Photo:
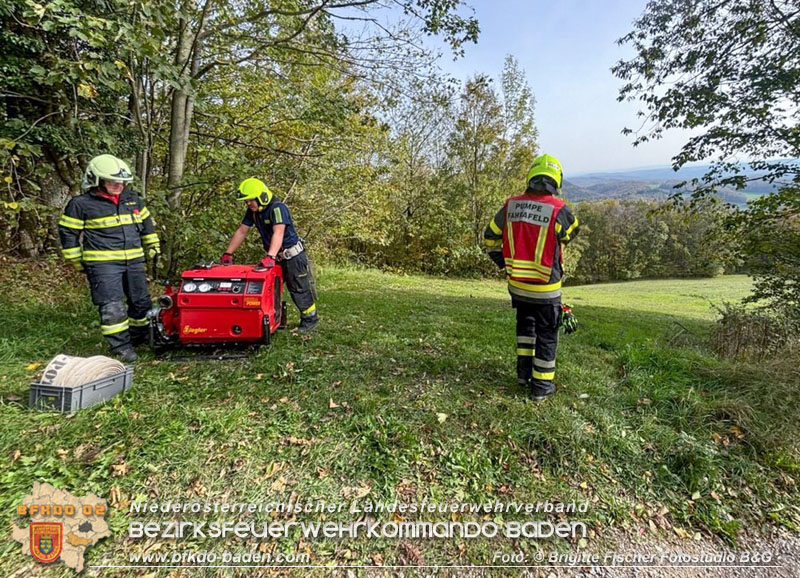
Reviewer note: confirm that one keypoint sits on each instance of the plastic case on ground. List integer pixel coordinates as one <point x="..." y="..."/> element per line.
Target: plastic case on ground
<point x="69" y="399"/>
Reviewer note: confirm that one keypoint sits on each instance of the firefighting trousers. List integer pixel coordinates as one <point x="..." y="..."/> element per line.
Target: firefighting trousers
<point x="298" y="277"/>
<point x="537" y="342"/>
<point x="119" y="290"/>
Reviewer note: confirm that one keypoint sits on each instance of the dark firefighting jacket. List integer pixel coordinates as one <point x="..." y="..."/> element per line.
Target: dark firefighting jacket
<point x="526" y="237"/>
<point x="110" y="232"/>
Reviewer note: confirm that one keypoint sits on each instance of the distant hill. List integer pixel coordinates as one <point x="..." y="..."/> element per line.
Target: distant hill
<point x="657" y="183"/>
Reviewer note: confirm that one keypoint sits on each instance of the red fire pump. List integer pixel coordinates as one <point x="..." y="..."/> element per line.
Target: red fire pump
<point x="219" y="305"/>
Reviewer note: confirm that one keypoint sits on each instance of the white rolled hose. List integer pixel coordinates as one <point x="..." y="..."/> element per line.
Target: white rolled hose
<point x="71" y="371"/>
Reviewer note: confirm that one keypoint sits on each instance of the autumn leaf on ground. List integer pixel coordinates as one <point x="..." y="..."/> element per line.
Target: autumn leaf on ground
<point x="356" y="492"/>
<point x="278" y="485"/>
<point x="114" y="497"/>
<point x="291" y="440"/>
<point x="197" y="488"/>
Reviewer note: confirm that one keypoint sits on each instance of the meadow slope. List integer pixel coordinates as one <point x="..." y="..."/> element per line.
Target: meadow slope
<point x="407" y="392"/>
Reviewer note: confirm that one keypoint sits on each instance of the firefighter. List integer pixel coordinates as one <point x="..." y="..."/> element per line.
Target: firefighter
<point x="525" y="238"/>
<point x="106" y="232"/>
<point x="274" y="223"/>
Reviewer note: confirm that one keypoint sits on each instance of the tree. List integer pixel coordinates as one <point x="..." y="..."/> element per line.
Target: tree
<point x="81" y="77"/>
<point x="264" y="33"/>
<point x="476" y="143"/>
<point x="493" y="142"/>
<point x="61" y="77"/>
<point x="732" y="69"/>
<point x="519" y="128"/>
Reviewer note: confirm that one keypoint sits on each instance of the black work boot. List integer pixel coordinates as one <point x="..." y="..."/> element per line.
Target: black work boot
<point x="308" y="323"/>
<point x="541" y="390"/>
<point x="125" y="354"/>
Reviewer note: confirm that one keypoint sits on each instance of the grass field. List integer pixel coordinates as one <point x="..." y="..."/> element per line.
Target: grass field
<point x="407" y="392"/>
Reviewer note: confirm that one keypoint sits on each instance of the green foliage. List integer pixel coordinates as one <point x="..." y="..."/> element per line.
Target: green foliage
<point x="769" y="233"/>
<point x="622" y="240"/>
<point x="254" y="87"/>
<point x="726" y="68"/>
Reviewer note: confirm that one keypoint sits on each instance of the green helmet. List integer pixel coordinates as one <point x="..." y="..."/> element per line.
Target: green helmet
<point x="545" y="166"/>
<point x="254" y="188"/>
<point x="106" y="167"/>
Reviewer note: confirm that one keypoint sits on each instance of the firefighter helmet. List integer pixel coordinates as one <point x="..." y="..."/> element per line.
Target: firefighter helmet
<point x="254" y="188"/>
<point x="545" y="168"/>
<point x="106" y="167"/>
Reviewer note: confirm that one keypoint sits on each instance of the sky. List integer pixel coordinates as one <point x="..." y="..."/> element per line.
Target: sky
<point x="566" y="49"/>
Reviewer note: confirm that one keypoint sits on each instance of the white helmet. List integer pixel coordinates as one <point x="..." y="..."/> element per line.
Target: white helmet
<point x="107" y="167"/>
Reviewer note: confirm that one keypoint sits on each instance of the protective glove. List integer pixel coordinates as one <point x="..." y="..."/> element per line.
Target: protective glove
<point x="568" y="321"/>
<point x="153" y="251"/>
<point x="267" y="262"/>
<point x="226" y="259"/>
<point x="78" y="264"/>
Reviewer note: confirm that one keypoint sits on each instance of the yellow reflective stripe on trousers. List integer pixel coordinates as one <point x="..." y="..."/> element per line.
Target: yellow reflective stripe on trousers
<point x="151" y="239"/>
<point x="540" y="375"/>
<point x="72" y="253"/>
<point x="123" y="255"/>
<point x="525" y="352"/>
<point x="137" y="322"/>
<point x="116" y="328"/>
<point x="71" y="223"/>
<point x="310" y="309"/>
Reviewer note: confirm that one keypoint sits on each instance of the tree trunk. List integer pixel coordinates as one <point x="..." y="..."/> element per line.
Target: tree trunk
<point x="178" y="127"/>
<point x="178" y="121"/>
<point x="187" y="56"/>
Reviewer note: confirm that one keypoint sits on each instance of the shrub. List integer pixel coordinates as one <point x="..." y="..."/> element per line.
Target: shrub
<point x="757" y="334"/>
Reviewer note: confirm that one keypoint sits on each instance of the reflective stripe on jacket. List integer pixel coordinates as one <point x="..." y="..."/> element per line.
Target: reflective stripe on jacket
<point x="529" y="231"/>
<point x="94" y="229"/>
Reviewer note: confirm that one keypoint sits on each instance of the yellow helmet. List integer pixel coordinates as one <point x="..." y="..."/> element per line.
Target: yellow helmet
<point x="254" y="188"/>
<point x="545" y="166"/>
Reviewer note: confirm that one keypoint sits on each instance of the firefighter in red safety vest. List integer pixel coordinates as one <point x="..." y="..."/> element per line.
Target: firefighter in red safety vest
<point x="525" y="238"/>
<point x="106" y="232"/>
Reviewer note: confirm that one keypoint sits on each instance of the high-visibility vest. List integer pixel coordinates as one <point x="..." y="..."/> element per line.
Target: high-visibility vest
<point x="531" y="248"/>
